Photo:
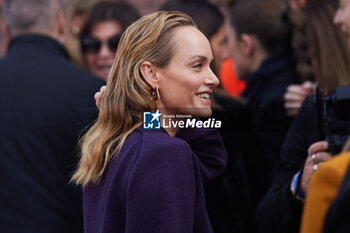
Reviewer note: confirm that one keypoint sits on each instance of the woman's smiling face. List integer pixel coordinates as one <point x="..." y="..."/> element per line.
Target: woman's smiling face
<point x="101" y="61"/>
<point x="185" y="84"/>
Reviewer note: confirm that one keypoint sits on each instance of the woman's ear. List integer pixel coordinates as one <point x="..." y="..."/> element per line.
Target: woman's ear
<point x="61" y="30"/>
<point x="7" y="32"/>
<point x="247" y="44"/>
<point x="148" y="71"/>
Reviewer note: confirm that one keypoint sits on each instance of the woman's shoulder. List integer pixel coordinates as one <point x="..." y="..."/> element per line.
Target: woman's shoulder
<point x="162" y="154"/>
<point x="159" y="141"/>
<point x="144" y="148"/>
<point x="152" y="144"/>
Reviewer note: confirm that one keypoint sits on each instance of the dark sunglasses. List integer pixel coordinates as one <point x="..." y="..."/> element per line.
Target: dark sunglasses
<point x="90" y="44"/>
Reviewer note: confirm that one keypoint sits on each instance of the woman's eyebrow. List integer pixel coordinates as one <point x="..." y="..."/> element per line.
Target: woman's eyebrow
<point x="201" y="58"/>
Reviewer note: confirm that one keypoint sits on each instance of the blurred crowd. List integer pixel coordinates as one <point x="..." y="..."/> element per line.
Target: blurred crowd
<point x="283" y="98"/>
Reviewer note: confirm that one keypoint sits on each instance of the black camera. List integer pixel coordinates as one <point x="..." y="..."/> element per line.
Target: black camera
<point x="333" y="110"/>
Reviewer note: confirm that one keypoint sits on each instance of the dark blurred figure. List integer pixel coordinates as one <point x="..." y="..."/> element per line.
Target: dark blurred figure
<point x="325" y="57"/>
<point x="262" y="53"/>
<point x="228" y="209"/>
<point x="101" y="33"/>
<point x="46" y="101"/>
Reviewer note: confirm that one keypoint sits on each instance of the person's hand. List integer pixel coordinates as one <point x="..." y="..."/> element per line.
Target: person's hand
<point x="316" y="157"/>
<point x="295" y="96"/>
<point x="98" y="96"/>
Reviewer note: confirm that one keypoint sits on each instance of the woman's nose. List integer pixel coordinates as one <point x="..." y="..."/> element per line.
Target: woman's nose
<point x="212" y="79"/>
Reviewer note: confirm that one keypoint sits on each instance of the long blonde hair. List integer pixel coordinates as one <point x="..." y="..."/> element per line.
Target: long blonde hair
<point x="321" y="47"/>
<point x="128" y="95"/>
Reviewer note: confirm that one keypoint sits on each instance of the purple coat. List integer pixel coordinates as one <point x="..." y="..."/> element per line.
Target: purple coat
<point x="155" y="184"/>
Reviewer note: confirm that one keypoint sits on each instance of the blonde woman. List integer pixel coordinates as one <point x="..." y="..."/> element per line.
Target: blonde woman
<point x="140" y="180"/>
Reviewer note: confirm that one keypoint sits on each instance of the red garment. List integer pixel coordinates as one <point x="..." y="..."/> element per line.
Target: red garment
<point x="229" y="80"/>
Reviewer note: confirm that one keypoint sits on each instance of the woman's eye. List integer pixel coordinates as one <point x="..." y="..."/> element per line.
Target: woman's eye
<point x="198" y="66"/>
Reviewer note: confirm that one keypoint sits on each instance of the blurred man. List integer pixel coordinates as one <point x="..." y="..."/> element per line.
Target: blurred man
<point x="45" y="102"/>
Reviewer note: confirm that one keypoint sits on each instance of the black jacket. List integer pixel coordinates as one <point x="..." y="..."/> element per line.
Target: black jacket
<point x="45" y="103"/>
<point x="279" y="211"/>
<point x="227" y="195"/>
<point x="269" y="123"/>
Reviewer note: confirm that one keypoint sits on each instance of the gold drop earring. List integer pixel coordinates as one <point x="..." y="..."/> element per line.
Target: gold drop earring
<point x="155" y="93"/>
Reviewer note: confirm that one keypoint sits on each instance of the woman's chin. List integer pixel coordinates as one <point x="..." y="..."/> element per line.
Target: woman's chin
<point x="202" y="112"/>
